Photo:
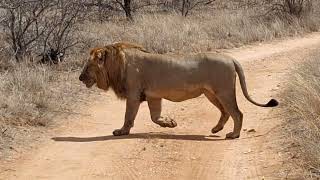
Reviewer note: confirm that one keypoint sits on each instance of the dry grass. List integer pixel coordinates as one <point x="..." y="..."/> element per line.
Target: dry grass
<point x="302" y="102"/>
<point x="31" y="95"/>
<point x="25" y="93"/>
<point x="165" y="33"/>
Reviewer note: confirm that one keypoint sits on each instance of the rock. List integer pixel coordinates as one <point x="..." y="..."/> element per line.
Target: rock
<point x="247" y="152"/>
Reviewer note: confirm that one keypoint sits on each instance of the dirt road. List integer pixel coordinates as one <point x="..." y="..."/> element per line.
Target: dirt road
<point x="83" y="147"/>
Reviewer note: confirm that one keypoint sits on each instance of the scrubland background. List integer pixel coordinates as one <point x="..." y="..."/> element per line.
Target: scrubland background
<point x="33" y="93"/>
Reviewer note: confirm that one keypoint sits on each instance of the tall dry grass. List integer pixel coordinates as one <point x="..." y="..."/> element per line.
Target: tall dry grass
<point x="33" y="97"/>
<point x="32" y="94"/>
<point x="302" y="104"/>
<point x="163" y="33"/>
<point x="25" y="93"/>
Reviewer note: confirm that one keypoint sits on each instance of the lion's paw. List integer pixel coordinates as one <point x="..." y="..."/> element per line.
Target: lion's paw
<point x="216" y="129"/>
<point x="167" y="122"/>
<point x="232" y="135"/>
<point x="121" y="132"/>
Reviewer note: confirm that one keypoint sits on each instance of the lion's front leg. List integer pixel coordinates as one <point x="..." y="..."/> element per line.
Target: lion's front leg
<point x="132" y="107"/>
<point x="155" y="112"/>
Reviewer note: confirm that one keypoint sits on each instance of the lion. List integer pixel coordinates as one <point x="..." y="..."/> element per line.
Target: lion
<point x="137" y="75"/>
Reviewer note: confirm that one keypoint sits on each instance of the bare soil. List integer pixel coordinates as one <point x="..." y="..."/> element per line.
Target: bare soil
<point x="82" y="147"/>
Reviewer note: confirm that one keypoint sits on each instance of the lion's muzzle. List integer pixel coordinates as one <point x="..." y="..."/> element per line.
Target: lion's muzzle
<point x="87" y="81"/>
<point x="81" y="77"/>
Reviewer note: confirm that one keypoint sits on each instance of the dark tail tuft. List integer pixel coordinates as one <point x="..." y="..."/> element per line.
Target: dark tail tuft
<point x="272" y="103"/>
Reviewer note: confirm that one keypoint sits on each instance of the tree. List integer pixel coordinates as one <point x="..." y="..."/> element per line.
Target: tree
<point x="296" y="7"/>
<point x="188" y="5"/>
<point x="35" y="26"/>
<point x="126" y="6"/>
<point x="22" y="21"/>
<point x="292" y="7"/>
<point x="60" y="36"/>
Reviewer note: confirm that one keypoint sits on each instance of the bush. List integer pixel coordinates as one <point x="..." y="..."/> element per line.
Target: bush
<point x="32" y="28"/>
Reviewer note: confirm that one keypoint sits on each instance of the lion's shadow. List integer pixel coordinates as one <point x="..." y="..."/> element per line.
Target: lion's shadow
<point x="141" y="136"/>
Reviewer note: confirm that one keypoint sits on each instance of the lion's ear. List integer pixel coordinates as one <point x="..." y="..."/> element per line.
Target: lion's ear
<point x="100" y="57"/>
<point x="99" y="54"/>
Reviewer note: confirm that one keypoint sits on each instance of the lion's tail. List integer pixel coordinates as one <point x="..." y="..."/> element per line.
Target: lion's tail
<point x="239" y="70"/>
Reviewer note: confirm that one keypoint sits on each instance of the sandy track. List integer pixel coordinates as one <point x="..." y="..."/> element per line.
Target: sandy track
<point x="83" y="147"/>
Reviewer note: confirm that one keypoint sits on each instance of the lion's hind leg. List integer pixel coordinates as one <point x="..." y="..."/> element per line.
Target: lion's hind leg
<point x="155" y="112"/>
<point x="228" y="101"/>
<point x="224" y="114"/>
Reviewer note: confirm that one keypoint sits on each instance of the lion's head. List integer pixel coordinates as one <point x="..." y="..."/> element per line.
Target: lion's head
<point x="106" y="68"/>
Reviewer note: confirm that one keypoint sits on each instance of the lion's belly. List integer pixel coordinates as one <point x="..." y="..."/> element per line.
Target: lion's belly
<point x="176" y="95"/>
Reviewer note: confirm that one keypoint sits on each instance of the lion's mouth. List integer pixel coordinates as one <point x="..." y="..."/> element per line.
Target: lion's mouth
<point x="89" y="83"/>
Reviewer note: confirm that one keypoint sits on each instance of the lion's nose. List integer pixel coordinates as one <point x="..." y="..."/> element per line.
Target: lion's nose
<point x="81" y="77"/>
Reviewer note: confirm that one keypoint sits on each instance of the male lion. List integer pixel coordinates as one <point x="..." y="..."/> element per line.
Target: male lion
<point x="137" y="75"/>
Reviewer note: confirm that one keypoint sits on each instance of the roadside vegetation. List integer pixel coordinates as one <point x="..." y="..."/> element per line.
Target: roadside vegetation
<point x="35" y="86"/>
<point x="302" y="102"/>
